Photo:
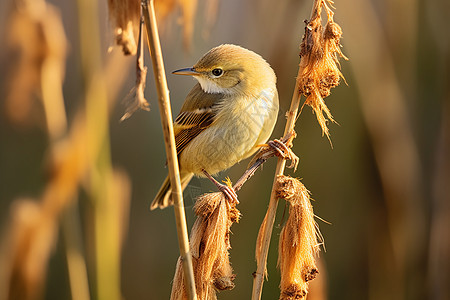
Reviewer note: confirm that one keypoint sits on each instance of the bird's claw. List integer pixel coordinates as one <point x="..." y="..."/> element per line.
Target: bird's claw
<point x="280" y="147"/>
<point x="228" y="192"/>
<point x="284" y="152"/>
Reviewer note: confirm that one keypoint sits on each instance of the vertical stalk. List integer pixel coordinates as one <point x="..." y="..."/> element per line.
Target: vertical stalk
<point x="273" y="204"/>
<point x="52" y="75"/>
<point x="76" y="264"/>
<point x="105" y="199"/>
<point x="169" y="141"/>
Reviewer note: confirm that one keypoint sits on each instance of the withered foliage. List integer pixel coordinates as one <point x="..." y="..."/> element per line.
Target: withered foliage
<point x="125" y="16"/>
<point x="298" y="245"/>
<point x="136" y="99"/>
<point x="30" y="241"/>
<point x="209" y="245"/>
<point x="35" y="45"/>
<point x="320" y="51"/>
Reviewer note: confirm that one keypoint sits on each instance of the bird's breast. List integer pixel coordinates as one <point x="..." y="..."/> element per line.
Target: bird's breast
<point x="241" y="123"/>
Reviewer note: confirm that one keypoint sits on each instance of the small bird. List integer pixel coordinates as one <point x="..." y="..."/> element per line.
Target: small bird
<point x="226" y="116"/>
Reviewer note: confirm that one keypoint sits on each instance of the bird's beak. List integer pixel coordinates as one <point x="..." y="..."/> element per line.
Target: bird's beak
<point x="186" y="71"/>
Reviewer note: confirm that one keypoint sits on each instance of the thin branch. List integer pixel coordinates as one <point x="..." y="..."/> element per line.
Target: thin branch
<point x="271" y="212"/>
<point x="263" y="155"/>
<point x="281" y="164"/>
<point x="169" y="140"/>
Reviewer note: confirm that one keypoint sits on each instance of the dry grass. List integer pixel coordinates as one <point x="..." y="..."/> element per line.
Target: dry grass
<point x="149" y="16"/>
<point x="136" y="99"/>
<point x="318" y="73"/>
<point x="125" y="16"/>
<point x="320" y="51"/>
<point x="37" y="38"/>
<point x="80" y="156"/>
<point x="210" y="242"/>
<point x="36" y="50"/>
<point x="298" y="245"/>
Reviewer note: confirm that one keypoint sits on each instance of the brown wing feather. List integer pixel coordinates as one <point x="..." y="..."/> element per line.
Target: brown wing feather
<point x="196" y="115"/>
<point x="189" y="125"/>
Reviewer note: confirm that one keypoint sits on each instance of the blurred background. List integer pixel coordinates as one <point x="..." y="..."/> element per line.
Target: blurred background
<point x="76" y="184"/>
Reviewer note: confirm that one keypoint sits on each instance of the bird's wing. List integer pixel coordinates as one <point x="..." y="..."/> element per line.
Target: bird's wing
<point x="196" y="115"/>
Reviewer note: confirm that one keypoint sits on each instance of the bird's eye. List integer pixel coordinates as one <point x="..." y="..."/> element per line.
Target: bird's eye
<point x="217" y="72"/>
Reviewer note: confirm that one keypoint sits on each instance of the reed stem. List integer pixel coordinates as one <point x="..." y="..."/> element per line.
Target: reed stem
<point x="271" y="211"/>
<point x="169" y="141"/>
<point x="281" y="164"/>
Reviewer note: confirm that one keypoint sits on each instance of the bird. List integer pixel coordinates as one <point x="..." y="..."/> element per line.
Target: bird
<point x="229" y="113"/>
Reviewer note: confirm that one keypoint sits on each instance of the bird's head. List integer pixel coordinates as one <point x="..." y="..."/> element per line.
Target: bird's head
<point x="231" y="69"/>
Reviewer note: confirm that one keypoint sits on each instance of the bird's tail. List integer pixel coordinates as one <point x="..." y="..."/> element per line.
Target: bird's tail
<point x="163" y="198"/>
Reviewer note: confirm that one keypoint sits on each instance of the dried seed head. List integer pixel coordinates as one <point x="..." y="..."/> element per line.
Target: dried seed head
<point x="319" y="65"/>
<point x="225" y="283"/>
<point x="209" y="243"/>
<point x="298" y="244"/>
<point x="206" y="204"/>
<point x="293" y="292"/>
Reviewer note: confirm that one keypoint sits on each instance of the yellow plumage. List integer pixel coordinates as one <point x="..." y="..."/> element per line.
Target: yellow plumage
<point x="231" y="111"/>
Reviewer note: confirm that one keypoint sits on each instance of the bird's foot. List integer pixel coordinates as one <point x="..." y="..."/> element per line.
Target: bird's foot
<point x="284" y="152"/>
<point x="281" y="149"/>
<point x="227" y="190"/>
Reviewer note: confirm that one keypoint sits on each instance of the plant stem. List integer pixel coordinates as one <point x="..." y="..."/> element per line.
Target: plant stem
<point x="101" y="185"/>
<point x="271" y="211"/>
<point x="262" y="159"/>
<point x="169" y="139"/>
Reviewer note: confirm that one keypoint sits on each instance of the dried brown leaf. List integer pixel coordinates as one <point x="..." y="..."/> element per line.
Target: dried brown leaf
<point x="136" y="99"/>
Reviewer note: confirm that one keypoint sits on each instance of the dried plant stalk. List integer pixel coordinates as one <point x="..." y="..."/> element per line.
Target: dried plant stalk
<point x="210" y="233"/>
<point x="136" y="98"/>
<point x="128" y="25"/>
<point x="169" y="141"/>
<point x="265" y="231"/>
<point x="29" y="241"/>
<point x="36" y="42"/>
<point x="125" y="15"/>
<point x="34" y="226"/>
<point x="298" y="244"/>
<point x="36" y="33"/>
<point x="101" y="175"/>
<point x="209" y="247"/>
<point x="319" y="49"/>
